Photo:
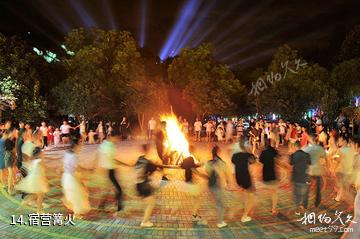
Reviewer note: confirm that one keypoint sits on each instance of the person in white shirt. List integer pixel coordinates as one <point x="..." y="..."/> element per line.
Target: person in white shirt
<point x="151" y="127"/>
<point x="44" y="134"/>
<point x="344" y="171"/>
<point x="65" y="132"/>
<point x="197" y="129"/>
<point x="208" y="126"/>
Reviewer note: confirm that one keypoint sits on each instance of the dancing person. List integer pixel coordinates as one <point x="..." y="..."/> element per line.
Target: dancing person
<point x="241" y="161"/>
<point x="144" y="168"/>
<point x="35" y="183"/>
<point x="304" y="138"/>
<point x="50" y="135"/>
<point x="57" y="135"/>
<point x="217" y="171"/>
<point x="4" y="136"/>
<point x="91" y="136"/>
<point x="44" y="134"/>
<point x="344" y="171"/>
<point x="108" y="161"/>
<point x="197" y="129"/>
<point x="82" y="131"/>
<point x="267" y="158"/>
<point x="322" y="136"/>
<point x="75" y="195"/>
<point x="65" y="132"/>
<point x="317" y="153"/>
<point x="100" y="132"/>
<point x="9" y="159"/>
<point x="151" y="128"/>
<point x="220" y="133"/>
<point x="300" y="162"/>
<point x="229" y="131"/>
<point x="191" y="186"/>
<point x="19" y="144"/>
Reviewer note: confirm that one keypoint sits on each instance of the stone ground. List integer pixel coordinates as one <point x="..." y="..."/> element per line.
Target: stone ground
<point x="172" y="215"/>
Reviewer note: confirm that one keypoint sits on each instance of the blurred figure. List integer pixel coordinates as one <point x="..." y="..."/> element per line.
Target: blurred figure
<point x="124" y="128"/>
<point x="185" y="127"/>
<point x="242" y="160"/>
<point x="82" y="131"/>
<point x="344" y="171"/>
<point x="107" y="161"/>
<point x="100" y="132"/>
<point x="255" y="137"/>
<point x="5" y="135"/>
<point x="300" y="162"/>
<point x="50" y="135"/>
<point x="9" y="159"/>
<point x="35" y="183"/>
<point x="151" y="128"/>
<point x="76" y="197"/>
<point x="65" y="132"/>
<point x="197" y="129"/>
<point x="217" y="171"/>
<point x="91" y="136"/>
<point x="44" y="135"/>
<point x="229" y="131"/>
<point x="208" y="126"/>
<point x="57" y="135"/>
<point x="144" y="168"/>
<point x="317" y="153"/>
<point x="19" y="144"/>
<point x="267" y="158"/>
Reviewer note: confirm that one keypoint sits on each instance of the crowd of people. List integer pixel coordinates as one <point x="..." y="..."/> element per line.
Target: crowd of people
<point x="312" y="154"/>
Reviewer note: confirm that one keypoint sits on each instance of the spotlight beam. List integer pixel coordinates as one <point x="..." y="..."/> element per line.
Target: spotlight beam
<point x="87" y="20"/>
<point x="194" y="27"/>
<point x="183" y="21"/>
<point x="108" y="12"/>
<point x="143" y="22"/>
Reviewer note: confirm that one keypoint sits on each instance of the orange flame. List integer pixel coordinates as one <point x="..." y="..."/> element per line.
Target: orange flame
<point x="176" y="140"/>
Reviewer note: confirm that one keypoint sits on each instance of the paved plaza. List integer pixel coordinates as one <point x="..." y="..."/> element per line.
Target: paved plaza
<point x="172" y="215"/>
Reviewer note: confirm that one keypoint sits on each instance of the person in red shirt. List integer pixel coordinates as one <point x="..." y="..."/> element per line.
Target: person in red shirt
<point x="304" y="137"/>
<point x="50" y="135"/>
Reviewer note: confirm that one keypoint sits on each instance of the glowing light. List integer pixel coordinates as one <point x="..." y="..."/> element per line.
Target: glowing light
<point x="273" y="116"/>
<point x="71" y="53"/>
<point x="82" y="13"/>
<point x="187" y="13"/>
<point x="176" y="141"/>
<point x="195" y="27"/>
<point x="143" y="22"/>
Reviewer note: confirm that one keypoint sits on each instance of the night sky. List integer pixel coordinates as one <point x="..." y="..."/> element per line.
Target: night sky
<point x="244" y="33"/>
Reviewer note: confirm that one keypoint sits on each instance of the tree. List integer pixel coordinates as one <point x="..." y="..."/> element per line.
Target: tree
<point x="210" y="87"/>
<point x="292" y="85"/>
<point x="104" y="65"/>
<point x="350" y="47"/>
<point x="19" y="65"/>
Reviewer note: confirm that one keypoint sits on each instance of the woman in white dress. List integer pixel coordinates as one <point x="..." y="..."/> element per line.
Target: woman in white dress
<point x="76" y="197"/>
<point x="35" y="183"/>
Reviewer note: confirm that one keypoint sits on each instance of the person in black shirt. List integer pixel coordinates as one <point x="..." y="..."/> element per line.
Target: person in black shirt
<point x="241" y="160"/>
<point x="145" y="168"/>
<point x="300" y="162"/>
<point x="191" y="187"/>
<point x="9" y="158"/>
<point x="267" y="158"/>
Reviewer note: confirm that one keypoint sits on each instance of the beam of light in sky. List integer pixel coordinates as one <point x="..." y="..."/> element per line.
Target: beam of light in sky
<point x="109" y="13"/>
<point x="195" y="26"/>
<point x="186" y="14"/>
<point x="143" y="22"/>
<point x="240" y="22"/>
<point x="61" y="23"/>
<point x="86" y="19"/>
<point x="28" y="21"/>
<point x="253" y="58"/>
<point x="215" y="24"/>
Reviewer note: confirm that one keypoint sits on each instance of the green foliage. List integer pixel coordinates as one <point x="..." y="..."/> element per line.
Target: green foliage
<point x="211" y="88"/>
<point x="18" y="62"/>
<point x="350" y="47"/>
<point x="99" y="74"/>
